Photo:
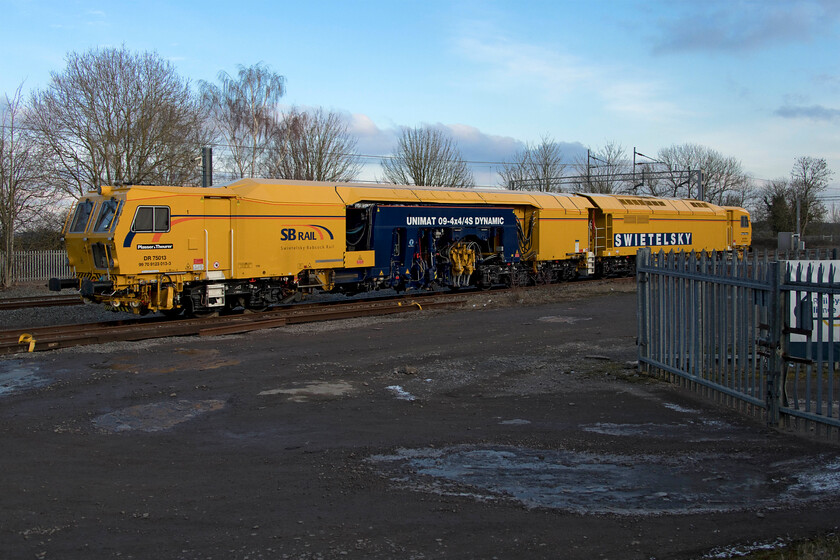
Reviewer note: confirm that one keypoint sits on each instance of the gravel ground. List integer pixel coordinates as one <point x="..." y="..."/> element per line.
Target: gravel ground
<point x="46" y="316"/>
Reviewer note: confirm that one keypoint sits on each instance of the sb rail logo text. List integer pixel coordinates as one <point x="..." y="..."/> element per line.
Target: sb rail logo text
<point x="291" y="234"/>
<point x="316" y="233"/>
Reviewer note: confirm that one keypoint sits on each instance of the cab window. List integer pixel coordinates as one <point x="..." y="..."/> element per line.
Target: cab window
<point x="107" y="215"/>
<point x="82" y="216"/>
<point x="745" y="221"/>
<point x="151" y="219"/>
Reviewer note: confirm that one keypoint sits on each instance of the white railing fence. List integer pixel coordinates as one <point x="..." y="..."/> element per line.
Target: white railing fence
<point x="28" y="266"/>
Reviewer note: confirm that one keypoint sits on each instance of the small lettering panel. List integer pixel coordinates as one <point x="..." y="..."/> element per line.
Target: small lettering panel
<point x="651" y="239"/>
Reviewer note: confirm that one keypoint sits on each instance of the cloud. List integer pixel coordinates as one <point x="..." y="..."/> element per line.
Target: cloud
<point x="812" y="112"/>
<point x="509" y="63"/>
<point x="645" y="100"/>
<point x="734" y="26"/>
<point x="373" y="141"/>
<point x="97" y="18"/>
<point x="548" y="73"/>
<point x="479" y="146"/>
<point x="483" y="152"/>
<point x="829" y="81"/>
<point x="475" y="146"/>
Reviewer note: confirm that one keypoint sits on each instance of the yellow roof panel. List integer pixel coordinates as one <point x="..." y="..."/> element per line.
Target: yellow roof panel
<point x="139" y="193"/>
<point x="281" y="191"/>
<point x="449" y="196"/>
<point x="605" y="201"/>
<point x="352" y="193"/>
<point x="562" y="200"/>
<point x="507" y="198"/>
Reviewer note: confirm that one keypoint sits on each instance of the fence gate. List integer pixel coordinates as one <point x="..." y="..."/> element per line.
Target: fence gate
<point x="811" y="389"/>
<point x="760" y="333"/>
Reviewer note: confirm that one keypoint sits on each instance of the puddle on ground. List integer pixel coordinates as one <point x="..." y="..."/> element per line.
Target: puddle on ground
<point x="604" y="483"/>
<point x="17" y="376"/>
<point x="682" y="409"/>
<point x="515" y="422"/>
<point x="313" y="391"/>
<point x="155" y="417"/>
<point x="562" y="319"/>
<point x="823" y="479"/>
<point x="698" y="430"/>
<point x="400" y="393"/>
<point x="648" y="429"/>
<point x="737" y="551"/>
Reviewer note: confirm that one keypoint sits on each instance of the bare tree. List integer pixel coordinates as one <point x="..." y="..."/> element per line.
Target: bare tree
<point x="514" y="174"/>
<point x="723" y="178"/>
<point x="21" y="178"/>
<point x="535" y="168"/>
<point x="546" y="165"/>
<point x="647" y="180"/>
<point x="41" y="230"/>
<point x="313" y="145"/>
<point x="808" y="179"/>
<point x="113" y="116"/>
<point x="244" y="111"/>
<point x="676" y="162"/>
<point x="427" y="156"/>
<point x="605" y="170"/>
<point x="778" y="206"/>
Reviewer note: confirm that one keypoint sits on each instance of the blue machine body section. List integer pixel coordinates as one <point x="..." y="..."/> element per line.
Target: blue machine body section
<point x="408" y="240"/>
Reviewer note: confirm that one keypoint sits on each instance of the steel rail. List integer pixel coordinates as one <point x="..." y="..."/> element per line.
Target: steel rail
<point x="51" y="338"/>
<point x="39" y="301"/>
<point x="9" y="335"/>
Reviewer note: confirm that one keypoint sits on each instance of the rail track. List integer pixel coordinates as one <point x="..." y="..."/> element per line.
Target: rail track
<point x="20" y="340"/>
<point x="36" y="339"/>
<point x="39" y="301"/>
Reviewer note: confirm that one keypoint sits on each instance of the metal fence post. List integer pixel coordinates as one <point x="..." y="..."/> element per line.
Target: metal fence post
<point x="642" y="309"/>
<point x="774" y="332"/>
